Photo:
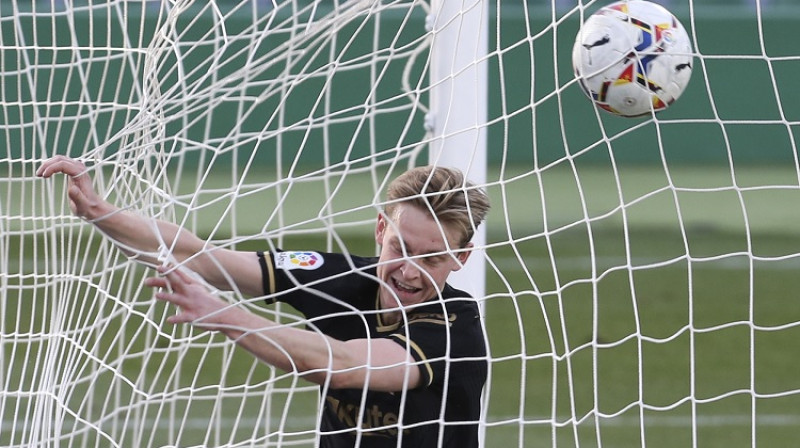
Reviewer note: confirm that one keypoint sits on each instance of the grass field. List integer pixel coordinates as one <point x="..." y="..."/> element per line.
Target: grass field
<point x="643" y="308"/>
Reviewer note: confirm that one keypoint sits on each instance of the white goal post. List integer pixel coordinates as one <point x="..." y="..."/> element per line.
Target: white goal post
<point x="460" y="41"/>
<point x="636" y="277"/>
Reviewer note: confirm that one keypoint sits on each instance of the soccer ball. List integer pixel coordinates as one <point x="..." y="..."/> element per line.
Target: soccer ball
<point x="632" y="58"/>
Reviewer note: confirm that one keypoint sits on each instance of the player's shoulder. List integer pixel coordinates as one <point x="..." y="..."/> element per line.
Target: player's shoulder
<point x="458" y="301"/>
<point x="451" y="324"/>
<point x="330" y="273"/>
<point x="452" y="306"/>
<point x="290" y="260"/>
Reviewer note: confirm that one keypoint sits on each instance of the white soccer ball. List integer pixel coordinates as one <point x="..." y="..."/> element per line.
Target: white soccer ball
<point x="632" y="58"/>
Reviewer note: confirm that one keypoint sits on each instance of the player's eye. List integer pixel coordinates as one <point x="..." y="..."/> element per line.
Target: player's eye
<point x="396" y="248"/>
<point x="432" y="261"/>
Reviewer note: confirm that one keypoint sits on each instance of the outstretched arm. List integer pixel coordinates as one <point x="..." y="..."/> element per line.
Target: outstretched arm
<point x="138" y="236"/>
<point x="378" y="364"/>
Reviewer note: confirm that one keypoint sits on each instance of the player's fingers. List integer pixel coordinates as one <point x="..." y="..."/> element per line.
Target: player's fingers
<point x="182" y="276"/>
<point x="179" y="281"/>
<point x="76" y="194"/>
<point x="61" y="164"/>
<point x="82" y="182"/>
<point x="165" y="280"/>
<point x="172" y="281"/>
<point x="173" y="298"/>
<point x="156" y="282"/>
<point x="48" y="167"/>
<point x="177" y="319"/>
<point x="74" y="207"/>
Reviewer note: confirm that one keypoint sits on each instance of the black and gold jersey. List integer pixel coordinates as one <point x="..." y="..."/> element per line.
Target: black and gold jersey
<point x="338" y="295"/>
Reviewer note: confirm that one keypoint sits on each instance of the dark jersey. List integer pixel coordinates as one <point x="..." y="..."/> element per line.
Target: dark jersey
<point x="338" y="295"/>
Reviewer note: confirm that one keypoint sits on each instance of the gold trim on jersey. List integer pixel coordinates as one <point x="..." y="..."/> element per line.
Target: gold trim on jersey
<point x="432" y="318"/>
<point x="375" y="420"/>
<point x="271" y="272"/>
<point x="380" y="326"/>
<point x="422" y="356"/>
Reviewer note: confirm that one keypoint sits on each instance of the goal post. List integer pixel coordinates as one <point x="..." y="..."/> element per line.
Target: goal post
<point x="636" y="277"/>
<point x="457" y="120"/>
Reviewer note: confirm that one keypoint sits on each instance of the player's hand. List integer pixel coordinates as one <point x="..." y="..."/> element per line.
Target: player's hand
<point x="196" y="305"/>
<point x="83" y="200"/>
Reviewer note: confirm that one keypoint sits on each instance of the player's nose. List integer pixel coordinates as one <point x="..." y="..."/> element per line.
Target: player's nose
<point x="409" y="270"/>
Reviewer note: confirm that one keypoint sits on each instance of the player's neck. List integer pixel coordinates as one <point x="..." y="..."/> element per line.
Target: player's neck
<point x="391" y="317"/>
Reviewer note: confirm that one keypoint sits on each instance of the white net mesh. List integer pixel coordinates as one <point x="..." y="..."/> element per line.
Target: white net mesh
<point x="640" y="284"/>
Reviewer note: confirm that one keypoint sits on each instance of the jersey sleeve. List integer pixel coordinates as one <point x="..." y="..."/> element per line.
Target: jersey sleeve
<point x="284" y="270"/>
<point x="315" y="283"/>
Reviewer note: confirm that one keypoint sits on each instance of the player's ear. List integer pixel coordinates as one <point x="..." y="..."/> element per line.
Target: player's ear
<point x="463" y="255"/>
<point x="380" y="228"/>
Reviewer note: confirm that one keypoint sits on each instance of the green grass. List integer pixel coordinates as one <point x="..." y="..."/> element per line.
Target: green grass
<point x="666" y="322"/>
<point x="644" y="336"/>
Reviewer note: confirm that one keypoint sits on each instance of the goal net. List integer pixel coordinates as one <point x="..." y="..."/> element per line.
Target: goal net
<point x="640" y="285"/>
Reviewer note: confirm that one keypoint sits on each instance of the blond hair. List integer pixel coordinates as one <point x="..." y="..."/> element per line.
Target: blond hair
<point x="454" y="201"/>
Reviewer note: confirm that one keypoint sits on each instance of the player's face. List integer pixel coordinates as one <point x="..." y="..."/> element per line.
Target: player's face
<point x="414" y="262"/>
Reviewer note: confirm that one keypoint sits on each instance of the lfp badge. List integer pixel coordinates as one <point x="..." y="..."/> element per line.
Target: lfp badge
<point x="298" y="260"/>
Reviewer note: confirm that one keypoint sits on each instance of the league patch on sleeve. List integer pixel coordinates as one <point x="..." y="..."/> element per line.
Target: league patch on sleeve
<point x="298" y="260"/>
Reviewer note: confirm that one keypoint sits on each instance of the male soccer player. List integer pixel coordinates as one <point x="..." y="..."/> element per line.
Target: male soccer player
<point x="399" y="353"/>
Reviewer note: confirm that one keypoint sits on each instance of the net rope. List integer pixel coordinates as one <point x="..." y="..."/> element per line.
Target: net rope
<point x="640" y="272"/>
